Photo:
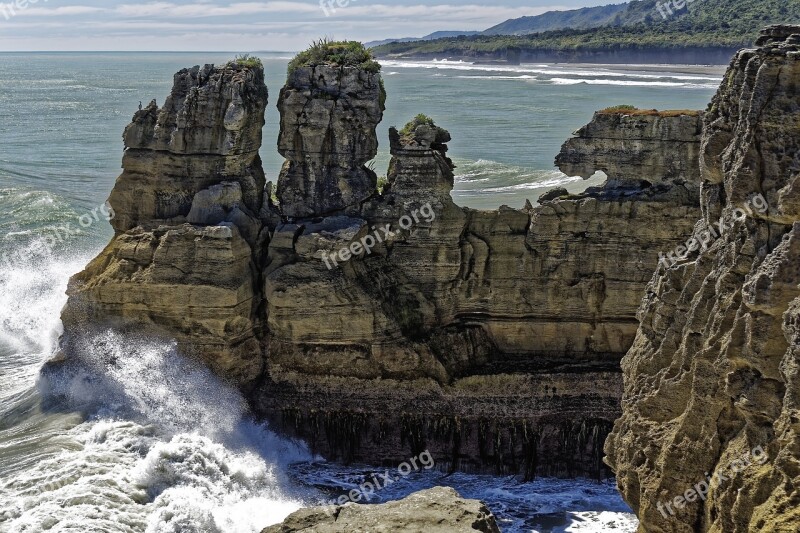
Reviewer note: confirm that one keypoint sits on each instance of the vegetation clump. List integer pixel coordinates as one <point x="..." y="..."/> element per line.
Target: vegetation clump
<point x="408" y="133"/>
<point x="383" y="181"/>
<point x="246" y="60"/>
<point x="631" y="110"/>
<point x="335" y="54"/>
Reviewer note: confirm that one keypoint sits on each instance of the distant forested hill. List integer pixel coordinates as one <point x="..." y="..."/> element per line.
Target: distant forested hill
<point x="639" y="30"/>
<point x="587" y="17"/>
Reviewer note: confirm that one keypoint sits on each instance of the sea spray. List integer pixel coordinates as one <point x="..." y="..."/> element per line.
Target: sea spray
<point x="129" y="436"/>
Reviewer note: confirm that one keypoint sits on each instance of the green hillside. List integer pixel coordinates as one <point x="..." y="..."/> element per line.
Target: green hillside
<point x="704" y="24"/>
<point x="587" y="17"/>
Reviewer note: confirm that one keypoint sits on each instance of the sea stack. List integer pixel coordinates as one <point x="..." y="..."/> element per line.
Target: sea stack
<point x="182" y="264"/>
<point x="710" y="431"/>
<point x="329" y="113"/>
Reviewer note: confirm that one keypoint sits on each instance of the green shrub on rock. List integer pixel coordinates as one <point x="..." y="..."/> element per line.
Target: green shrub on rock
<point x="335" y="54"/>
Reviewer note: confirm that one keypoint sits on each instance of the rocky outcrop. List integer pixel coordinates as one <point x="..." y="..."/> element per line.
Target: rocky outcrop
<point x="709" y="439"/>
<point x="376" y="326"/>
<point x="481" y="336"/>
<point x="437" y="510"/>
<point x="636" y="147"/>
<point x="207" y="132"/>
<point x="328" y="120"/>
<point x="183" y="261"/>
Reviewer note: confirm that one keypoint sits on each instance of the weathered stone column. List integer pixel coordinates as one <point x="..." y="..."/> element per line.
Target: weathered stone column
<point x="208" y="131"/>
<point x="329" y="113"/>
<point x="182" y="265"/>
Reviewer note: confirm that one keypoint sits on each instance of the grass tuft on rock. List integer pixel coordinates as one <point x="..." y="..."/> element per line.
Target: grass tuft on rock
<point x="246" y="60"/>
<point x="409" y="130"/>
<point x="632" y="110"/>
<point x="335" y="54"/>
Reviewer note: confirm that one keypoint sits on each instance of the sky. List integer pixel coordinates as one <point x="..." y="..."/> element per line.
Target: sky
<point x="231" y="26"/>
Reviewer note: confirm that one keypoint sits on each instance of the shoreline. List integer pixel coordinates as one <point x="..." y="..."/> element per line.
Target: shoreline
<point x="694" y="56"/>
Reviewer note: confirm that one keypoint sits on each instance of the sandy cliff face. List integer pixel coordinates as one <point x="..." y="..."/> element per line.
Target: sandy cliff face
<point x="376" y="326"/>
<point x="708" y="440"/>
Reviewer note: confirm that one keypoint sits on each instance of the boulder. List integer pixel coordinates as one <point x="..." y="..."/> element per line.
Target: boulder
<point x="437" y="510"/>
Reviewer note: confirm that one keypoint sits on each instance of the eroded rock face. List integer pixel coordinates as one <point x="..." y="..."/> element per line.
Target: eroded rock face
<point x="183" y="263"/>
<point x="634" y="148"/>
<point x="711" y="382"/>
<point x="380" y="325"/>
<point x="328" y="120"/>
<point x="480" y="335"/>
<point x="437" y="510"/>
<point x="208" y="131"/>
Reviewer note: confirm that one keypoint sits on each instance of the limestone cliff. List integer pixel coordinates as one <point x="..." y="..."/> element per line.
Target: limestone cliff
<point x="636" y="147"/>
<point x="709" y="439"/>
<point x="376" y="326"/>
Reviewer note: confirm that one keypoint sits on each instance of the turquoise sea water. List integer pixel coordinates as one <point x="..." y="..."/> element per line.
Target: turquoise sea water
<point x="172" y="449"/>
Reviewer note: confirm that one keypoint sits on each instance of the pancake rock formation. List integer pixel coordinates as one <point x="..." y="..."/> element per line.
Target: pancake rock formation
<point x="376" y="326"/>
<point x="709" y="439"/>
<point x="183" y="259"/>
<point x="328" y="120"/>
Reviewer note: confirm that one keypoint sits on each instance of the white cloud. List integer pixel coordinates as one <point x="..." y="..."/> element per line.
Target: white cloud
<point x="439" y="12"/>
<point x="166" y="9"/>
<point x="62" y="11"/>
<point x="221" y="24"/>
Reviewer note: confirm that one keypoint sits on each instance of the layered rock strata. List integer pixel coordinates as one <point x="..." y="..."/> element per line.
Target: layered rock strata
<point x="636" y="147"/>
<point x="437" y="510"/>
<point x="481" y="336"/>
<point x="183" y="261"/>
<point x="709" y="439"/>
<point x="376" y="326"/>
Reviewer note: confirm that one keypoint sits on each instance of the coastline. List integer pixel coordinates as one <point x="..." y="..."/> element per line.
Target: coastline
<point x="717" y="55"/>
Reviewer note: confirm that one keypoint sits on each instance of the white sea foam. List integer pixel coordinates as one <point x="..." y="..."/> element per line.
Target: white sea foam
<point x="542" y="184"/>
<point x="548" y="70"/>
<point x="162" y="446"/>
<point x="630" y="83"/>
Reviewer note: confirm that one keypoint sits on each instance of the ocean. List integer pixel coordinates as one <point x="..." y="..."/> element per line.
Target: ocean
<point x="158" y="444"/>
